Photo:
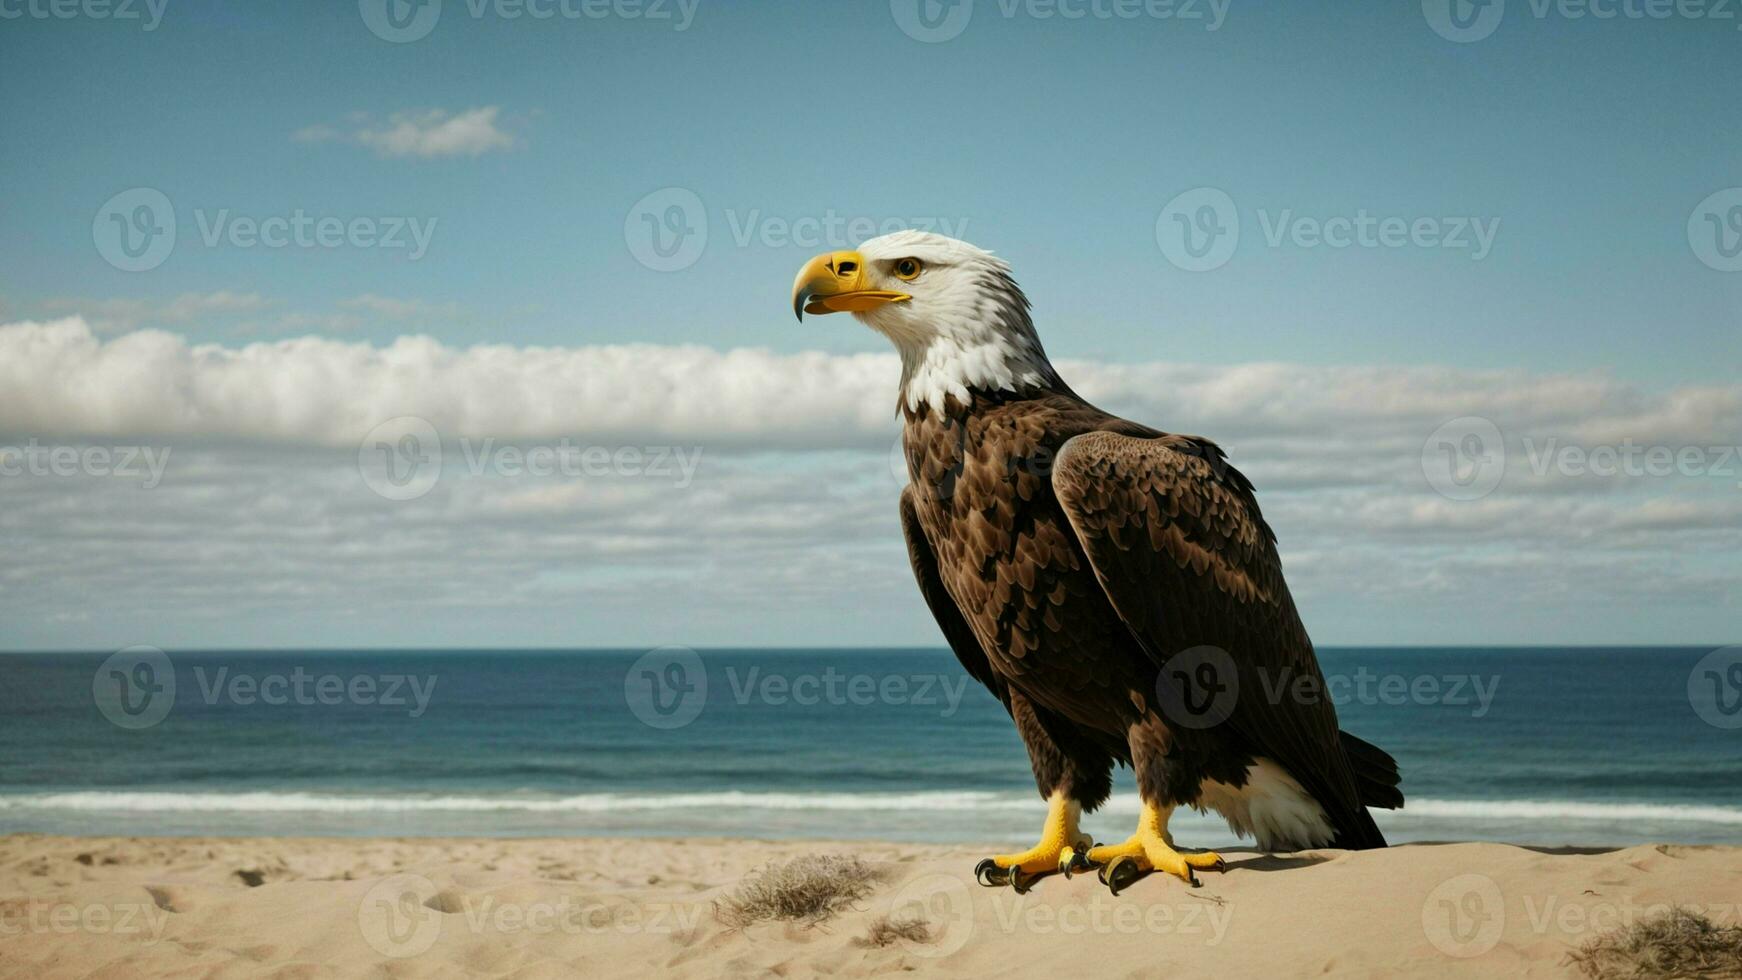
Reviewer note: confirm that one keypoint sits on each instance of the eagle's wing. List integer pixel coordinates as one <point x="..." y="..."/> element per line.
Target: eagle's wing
<point x="1178" y="544"/>
<point x="943" y="608"/>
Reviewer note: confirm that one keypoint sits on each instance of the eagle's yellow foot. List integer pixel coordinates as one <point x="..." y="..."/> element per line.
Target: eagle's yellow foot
<point x="1062" y="848"/>
<point x="1150" y="849"/>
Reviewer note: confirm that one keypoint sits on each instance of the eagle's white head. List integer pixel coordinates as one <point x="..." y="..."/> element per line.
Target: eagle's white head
<point x="959" y="321"/>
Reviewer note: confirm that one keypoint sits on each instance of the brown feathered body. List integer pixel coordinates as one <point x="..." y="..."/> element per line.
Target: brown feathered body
<point x="1085" y="568"/>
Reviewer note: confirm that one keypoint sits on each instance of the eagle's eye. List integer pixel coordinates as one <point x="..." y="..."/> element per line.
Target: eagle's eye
<point x="908" y="269"/>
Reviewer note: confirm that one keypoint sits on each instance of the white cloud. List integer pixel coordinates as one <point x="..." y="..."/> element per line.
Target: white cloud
<point x="422" y="133"/>
<point x="1309" y="422"/>
<point x="263" y="517"/>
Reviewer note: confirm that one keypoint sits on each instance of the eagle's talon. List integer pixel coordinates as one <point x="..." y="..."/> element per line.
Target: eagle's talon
<point x="1074" y="860"/>
<point x="1151" y="849"/>
<point x="1118" y="874"/>
<point x="1053" y="854"/>
<point x="989" y="874"/>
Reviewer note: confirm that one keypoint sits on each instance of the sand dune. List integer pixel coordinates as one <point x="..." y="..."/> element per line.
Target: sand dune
<point x="320" y="907"/>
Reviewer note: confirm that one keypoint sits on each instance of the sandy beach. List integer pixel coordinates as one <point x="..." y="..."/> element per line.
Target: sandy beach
<point x="332" y="907"/>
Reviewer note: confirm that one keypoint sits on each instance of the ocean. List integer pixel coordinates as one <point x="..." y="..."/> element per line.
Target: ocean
<point x="1533" y="745"/>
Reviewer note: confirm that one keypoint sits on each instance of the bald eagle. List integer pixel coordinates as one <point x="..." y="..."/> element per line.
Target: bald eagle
<point x="1115" y="586"/>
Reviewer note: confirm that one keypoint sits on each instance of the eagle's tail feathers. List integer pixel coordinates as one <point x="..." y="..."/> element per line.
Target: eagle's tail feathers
<point x="1376" y="775"/>
<point x="1358" y="833"/>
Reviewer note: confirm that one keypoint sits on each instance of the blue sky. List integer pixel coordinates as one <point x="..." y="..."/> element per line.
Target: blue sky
<point x="1585" y="145"/>
<point x="1055" y="141"/>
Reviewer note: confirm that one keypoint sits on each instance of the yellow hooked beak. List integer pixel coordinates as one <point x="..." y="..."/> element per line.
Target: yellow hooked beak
<point x="835" y="282"/>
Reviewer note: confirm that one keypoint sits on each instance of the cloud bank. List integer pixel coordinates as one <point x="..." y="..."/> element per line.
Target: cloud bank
<point x="264" y="530"/>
